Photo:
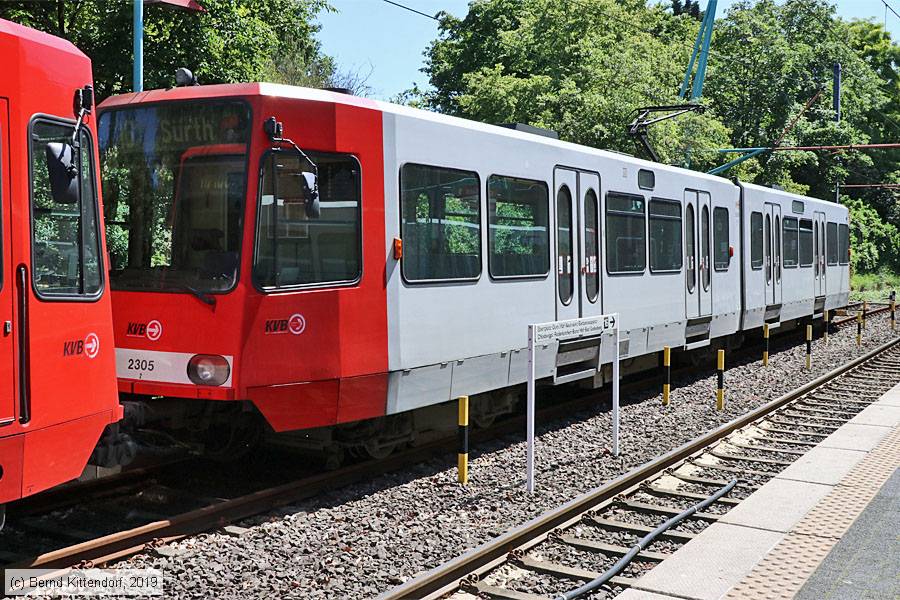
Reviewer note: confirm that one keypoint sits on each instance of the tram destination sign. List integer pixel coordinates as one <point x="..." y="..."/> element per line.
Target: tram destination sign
<point x="544" y="333"/>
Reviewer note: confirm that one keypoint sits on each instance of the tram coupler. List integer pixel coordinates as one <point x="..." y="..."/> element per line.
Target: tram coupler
<point x="115" y="448"/>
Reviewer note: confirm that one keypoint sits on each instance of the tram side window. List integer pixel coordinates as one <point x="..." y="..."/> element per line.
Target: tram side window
<point x="806" y="243"/>
<point x="791" y="241"/>
<point x="831" y="243"/>
<point x="440" y="223"/>
<point x="294" y="247"/>
<point x="665" y="236"/>
<point x="518" y="236"/>
<point x="721" y="241"/>
<point x="844" y="245"/>
<point x="756" y="240"/>
<point x="626" y="240"/>
<point x="64" y="231"/>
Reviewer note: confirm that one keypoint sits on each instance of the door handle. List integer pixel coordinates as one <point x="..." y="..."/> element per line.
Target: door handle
<point x="7" y="327"/>
<point x="24" y="376"/>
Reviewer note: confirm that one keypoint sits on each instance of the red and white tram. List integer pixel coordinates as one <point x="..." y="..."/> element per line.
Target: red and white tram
<point x="57" y="386"/>
<point x="409" y="276"/>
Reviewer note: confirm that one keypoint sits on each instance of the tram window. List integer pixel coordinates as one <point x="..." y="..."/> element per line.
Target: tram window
<point x="756" y="240"/>
<point x="591" y="245"/>
<point x="844" y="244"/>
<point x="518" y="236"/>
<point x="768" y="243"/>
<point x="564" y="272"/>
<point x="440" y="223"/>
<point x="791" y="241"/>
<point x="806" y="243"/>
<point x="832" y="243"/>
<point x="625" y="234"/>
<point x="65" y="237"/>
<point x="665" y="236"/>
<point x="721" y="242"/>
<point x="294" y="248"/>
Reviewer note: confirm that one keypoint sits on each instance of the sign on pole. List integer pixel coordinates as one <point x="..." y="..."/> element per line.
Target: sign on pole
<point x="566" y="331"/>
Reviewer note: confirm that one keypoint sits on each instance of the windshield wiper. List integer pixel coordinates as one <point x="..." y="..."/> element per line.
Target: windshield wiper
<point x="201" y="296"/>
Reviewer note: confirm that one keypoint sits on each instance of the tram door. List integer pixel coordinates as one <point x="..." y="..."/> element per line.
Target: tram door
<point x="576" y="204"/>
<point x="819" y="238"/>
<point x="697" y="263"/>
<point x="772" y="253"/>
<point x="7" y="282"/>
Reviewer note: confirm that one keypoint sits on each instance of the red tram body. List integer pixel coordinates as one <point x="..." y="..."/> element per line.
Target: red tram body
<point x="262" y="337"/>
<point x="57" y="392"/>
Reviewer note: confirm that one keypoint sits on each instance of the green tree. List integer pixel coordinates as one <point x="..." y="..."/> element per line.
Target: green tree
<point x="234" y="40"/>
<point x="579" y="67"/>
<point x="875" y="243"/>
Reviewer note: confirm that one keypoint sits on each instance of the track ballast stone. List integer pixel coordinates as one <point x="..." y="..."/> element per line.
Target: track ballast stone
<point x="364" y="539"/>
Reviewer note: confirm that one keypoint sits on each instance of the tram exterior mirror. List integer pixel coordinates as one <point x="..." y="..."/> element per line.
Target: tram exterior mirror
<point x="310" y="190"/>
<point x="62" y="172"/>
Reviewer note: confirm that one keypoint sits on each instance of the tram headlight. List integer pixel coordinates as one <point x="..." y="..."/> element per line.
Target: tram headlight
<point x="208" y="369"/>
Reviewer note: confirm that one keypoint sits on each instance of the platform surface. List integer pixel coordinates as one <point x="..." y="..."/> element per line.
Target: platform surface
<point x="827" y="526"/>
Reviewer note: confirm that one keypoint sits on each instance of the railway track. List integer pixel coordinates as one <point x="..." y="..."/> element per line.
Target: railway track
<point x="579" y="541"/>
<point x="150" y="508"/>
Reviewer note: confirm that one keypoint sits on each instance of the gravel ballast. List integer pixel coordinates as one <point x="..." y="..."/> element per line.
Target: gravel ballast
<point x="362" y="540"/>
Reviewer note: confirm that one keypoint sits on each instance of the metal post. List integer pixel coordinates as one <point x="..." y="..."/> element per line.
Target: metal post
<point x="766" y="350"/>
<point x="720" y="390"/>
<point x="836" y="92"/>
<point x="826" y="326"/>
<point x="138" y="74"/>
<point x="615" y="392"/>
<point x="529" y="469"/>
<point x="808" y="347"/>
<point x="865" y="310"/>
<point x="858" y="330"/>
<point x="462" y="462"/>
<point x="667" y="365"/>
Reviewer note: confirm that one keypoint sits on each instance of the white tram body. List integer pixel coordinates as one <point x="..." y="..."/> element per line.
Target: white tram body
<point x="683" y="257"/>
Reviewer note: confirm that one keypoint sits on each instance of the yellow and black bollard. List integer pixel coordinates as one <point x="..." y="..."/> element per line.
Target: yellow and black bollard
<point x="667" y="365"/>
<point x="826" y="326"/>
<point x="865" y="310"/>
<point x="808" y="347"/>
<point x="858" y="330"/>
<point x="893" y="319"/>
<point x="462" y="464"/>
<point x="720" y="390"/>
<point x="766" y="350"/>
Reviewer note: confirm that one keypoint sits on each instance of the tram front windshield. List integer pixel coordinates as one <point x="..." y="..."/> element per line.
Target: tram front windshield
<point x="174" y="180"/>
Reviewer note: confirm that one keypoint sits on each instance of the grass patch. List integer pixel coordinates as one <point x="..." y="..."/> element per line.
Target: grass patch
<point x="873" y="287"/>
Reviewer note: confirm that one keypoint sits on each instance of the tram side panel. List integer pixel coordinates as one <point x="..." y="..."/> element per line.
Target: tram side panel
<point x="58" y="343"/>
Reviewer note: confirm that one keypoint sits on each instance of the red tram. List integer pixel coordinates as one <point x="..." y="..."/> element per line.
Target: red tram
<point x="57" y="388"/>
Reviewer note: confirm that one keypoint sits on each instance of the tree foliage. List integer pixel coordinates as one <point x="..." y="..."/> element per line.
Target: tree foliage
<point x="582" y="67"/>
<point x="234" y="40"/>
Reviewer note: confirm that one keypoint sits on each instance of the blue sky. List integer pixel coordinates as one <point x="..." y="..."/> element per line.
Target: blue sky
<point x="372" y="35"/>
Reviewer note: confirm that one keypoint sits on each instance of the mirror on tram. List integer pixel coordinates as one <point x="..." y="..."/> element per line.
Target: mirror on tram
<point x="275" y="130"/>
<point x="62" y="172"/>
<point x="311" y="192"/>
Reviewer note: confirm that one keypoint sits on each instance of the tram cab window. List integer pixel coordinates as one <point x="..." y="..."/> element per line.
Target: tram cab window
<point x="65" y="236"/>
<point x="440" y="223"/>
<point x="721" y="241"/>
<point x="831" y="243"/>
<point x="791" y="241"/>
<point x="518" y="235"/>
<point x="174" y="188"/>
<point x="665" y="236"/>
<point x="756" y="240"/>
<point x="626" y="241"/>
<point x="806" y="243"/>
<point x="844" y="244"/>
<point x="294" y="248"/>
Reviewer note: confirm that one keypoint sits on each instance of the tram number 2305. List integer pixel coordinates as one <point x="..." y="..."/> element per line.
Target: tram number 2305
<point x="140" y="364"/>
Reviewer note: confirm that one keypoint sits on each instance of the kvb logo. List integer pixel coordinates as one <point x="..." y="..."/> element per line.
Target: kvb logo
<point x="296" y="325"/>
<point x="152" y="330"/>
<point x="89" y="346"/>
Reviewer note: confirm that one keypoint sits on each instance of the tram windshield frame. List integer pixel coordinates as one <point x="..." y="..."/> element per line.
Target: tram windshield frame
<point x="182" y="231"/>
